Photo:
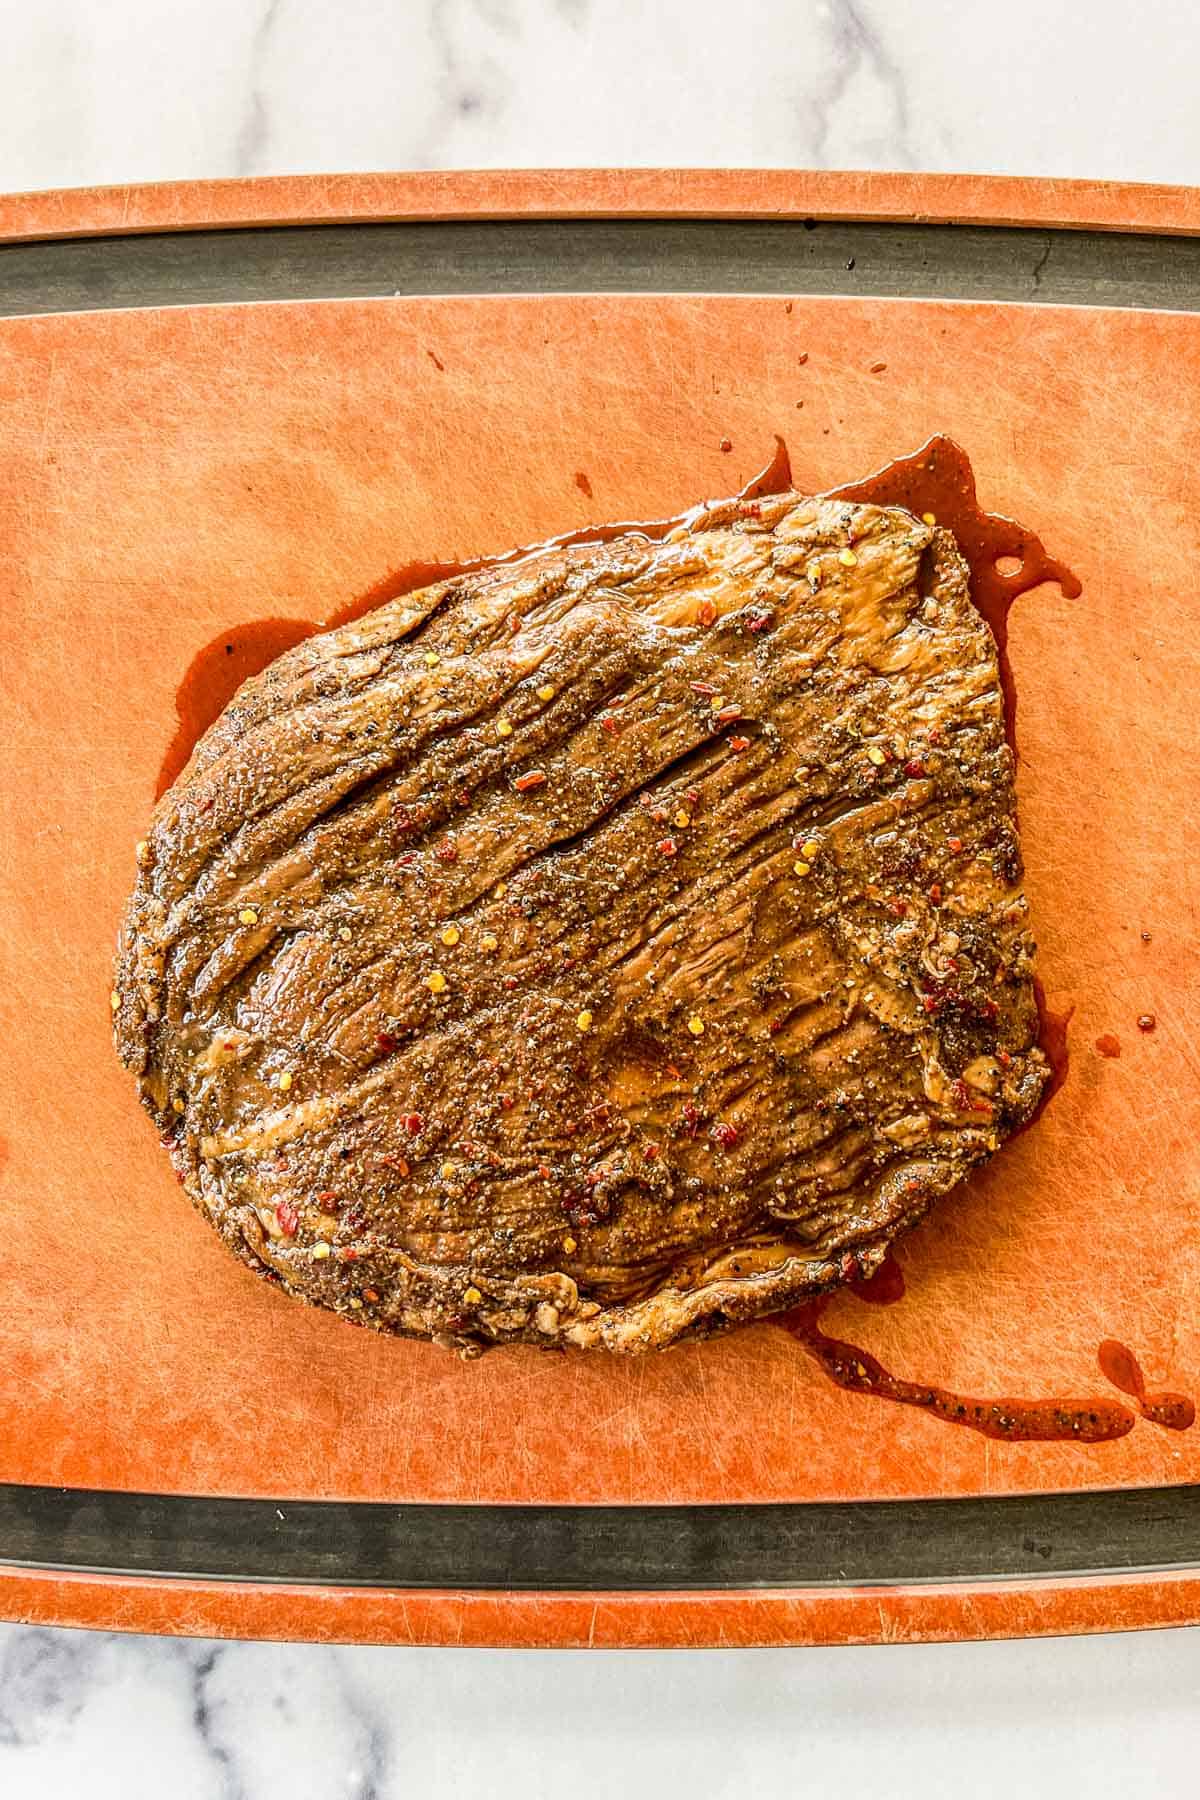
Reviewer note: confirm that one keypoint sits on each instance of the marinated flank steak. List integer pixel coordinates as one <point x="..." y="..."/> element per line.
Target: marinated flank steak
<point x="601" y="947"/>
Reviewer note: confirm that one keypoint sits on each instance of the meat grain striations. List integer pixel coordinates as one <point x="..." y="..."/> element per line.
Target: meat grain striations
<point x="601" y="947"/>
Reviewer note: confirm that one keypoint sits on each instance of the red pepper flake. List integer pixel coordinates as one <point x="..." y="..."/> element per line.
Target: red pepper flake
<point x="725" y="446"/>
<point x="758" y="620"/>
<point x="507" y="1102"/>
<point x="328" y="1201"/>
<point x="510" y="981"/>
<point x="727" y="715"/>
<point x="414" y="1124"/>
<point x="738" y="743"/>
<point x="1004" y="1059"/>
<point x="1146" y="1022"/>
<point x="750" y="509"/>
<point x="289" y="1218"/>
<point x="931" y="1003"/>
<point x="693" y="797"/>
<point x="706" y="613"/>
<point x="533" y="779"/>
<point x="371" y="1294"/>
<point x="386" y="1042"/>
<point x="849" y="1266"/>
<point x="544" y="1171"/>
<point x="608" y="723"/>
<point x="514" y="622"/>
<point x="966" y="1101"/>
<point x="914" y="768"/>
<point x="651" y="1152"/>
<point x="398" y="1163"/>
<point x="724" y="1134"/>
<point x="447" y="851"/>
<point x="898" y="909"/>
<point x="935" y="734"/>
<point x="404" y="860"/>
<point x="666" y="847"/>
<point x="349" y="1256"/>
<point x="703" y="687"/>
<point x="774" y="1026"/>
<point x="691" y="1117"/>
<point x="954" y="844"/>
<point x="935" y="893"/>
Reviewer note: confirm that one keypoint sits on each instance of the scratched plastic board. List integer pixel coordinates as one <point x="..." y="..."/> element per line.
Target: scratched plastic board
<point x="169" y="473"/>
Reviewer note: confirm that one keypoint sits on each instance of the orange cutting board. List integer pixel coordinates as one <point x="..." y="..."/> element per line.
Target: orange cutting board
<point x="171" y="474"/>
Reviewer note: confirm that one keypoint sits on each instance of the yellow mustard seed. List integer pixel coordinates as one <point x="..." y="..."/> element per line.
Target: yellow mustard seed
<point x="584" y="1020"/>
<point x="451" y="936"/>
<point x="345" y="934"/>
<point x="810" y="848"/>
<point x="247" y="916"/>
<point x="432" y="659"/>
<point x="801" y="868"/>
<point x="320" y="1252"/>
<point x="448" y="1171"/>
<point x="847" y="559"/>
<point x="356" y="1303"/>
<point x="285" y="1081"/>
<point x="500" y="889"/>
<point x="177" y="1104"/>
<point x="928" y="519"/>
<point x="696" y="1025"/>
<point x="875" y="755"/>
<point x="472" y="1297"/>
<point x="503" y="728"/>
<point x="114" y="1000"/>
<point x="141" y="849"/>
<point x="545" y="693"/>
<point x="436" y="983"/>
<point x="683" y="819"/>
<point x="570" y="1246"/>
<point x="813" y="571"/>
<point x="489" y="943"/>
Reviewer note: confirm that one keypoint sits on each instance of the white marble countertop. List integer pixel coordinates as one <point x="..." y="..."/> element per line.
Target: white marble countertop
<point x="148" y="90"/>
<point x="136" y="90"/>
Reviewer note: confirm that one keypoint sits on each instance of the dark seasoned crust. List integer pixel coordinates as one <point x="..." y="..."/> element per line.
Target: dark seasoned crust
<point x="600" y="947"/>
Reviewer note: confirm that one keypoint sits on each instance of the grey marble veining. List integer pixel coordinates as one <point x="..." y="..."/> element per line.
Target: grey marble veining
<point x="131" y="90"/>
<point x="135" y="90"/>
<point x="126" y="1718"/>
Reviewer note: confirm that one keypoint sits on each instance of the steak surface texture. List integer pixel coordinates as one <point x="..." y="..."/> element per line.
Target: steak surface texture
<point x="600" y="948"/>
